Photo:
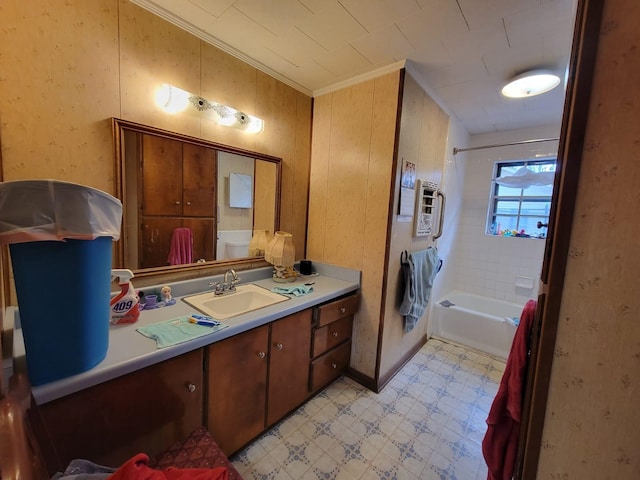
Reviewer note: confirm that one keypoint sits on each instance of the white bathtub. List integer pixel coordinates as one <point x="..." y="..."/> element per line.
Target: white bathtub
<point x="482" y="323"/>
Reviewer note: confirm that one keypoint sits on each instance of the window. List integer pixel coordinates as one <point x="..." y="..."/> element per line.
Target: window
<point x="521" y="198"/>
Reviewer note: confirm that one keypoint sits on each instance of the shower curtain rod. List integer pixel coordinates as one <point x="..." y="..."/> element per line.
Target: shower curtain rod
<point x="458" y="150"/>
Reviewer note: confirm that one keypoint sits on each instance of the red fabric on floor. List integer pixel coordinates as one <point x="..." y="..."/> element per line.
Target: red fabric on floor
<point x="137" y="468"/>
<point x="198" y="450"/>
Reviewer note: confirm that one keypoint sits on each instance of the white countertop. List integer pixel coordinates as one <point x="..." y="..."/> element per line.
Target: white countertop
<point x="129" y="350"/>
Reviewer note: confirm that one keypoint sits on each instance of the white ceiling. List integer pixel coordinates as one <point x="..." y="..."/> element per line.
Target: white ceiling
<point x="461" y="51"/>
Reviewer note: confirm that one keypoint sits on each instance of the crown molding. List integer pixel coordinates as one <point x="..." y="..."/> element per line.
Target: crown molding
<point x="216" y="42"/>
<point x="360" y="78"/>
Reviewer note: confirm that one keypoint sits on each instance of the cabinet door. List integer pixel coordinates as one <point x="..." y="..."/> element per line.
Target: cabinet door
<point x="203" y="233"/>
<point x="162" y="179"/>
<point x="199" y="180"/>
<point x="288" y="364"/>
<point x="237" y="379"/>
<point x="155" y="240"/>
<point x="145" y="411"/>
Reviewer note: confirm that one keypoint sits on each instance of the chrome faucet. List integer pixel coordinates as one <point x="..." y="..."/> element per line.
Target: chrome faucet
<point x="234" y="279"/>
<point x="227" y="286"/>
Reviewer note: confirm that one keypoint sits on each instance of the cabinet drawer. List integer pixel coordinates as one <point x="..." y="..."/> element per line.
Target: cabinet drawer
<point x="334" y="310"/>
<point x="330" y="366"/>
<point x="327" y="337"/>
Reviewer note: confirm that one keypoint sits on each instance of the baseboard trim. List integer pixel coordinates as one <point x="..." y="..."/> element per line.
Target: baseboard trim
<point x="378" y="385"/>
<point x="364" y="380"/>
<point x="383" y="381"/>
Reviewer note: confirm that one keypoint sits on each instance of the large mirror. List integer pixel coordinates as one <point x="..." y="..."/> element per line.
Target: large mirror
<point x="188" y="201"/>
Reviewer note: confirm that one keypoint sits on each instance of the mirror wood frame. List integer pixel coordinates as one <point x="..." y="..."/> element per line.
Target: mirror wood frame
<point x="119" y="127"/>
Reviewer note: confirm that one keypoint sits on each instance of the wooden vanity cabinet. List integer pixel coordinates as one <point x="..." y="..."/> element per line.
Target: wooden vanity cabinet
<point x="331" y="348"/>
<point x="236" y="391"/>
<point x="257" y="377"/>
<point x="237" y="387"/>
<point x="144" y="411"/>
<point x="288" y="365"/>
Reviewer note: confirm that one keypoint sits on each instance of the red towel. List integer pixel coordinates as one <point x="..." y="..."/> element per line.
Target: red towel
<point x="181" y="248"/>
<point x="500" y="443"/>
<point x="137" y="468"/>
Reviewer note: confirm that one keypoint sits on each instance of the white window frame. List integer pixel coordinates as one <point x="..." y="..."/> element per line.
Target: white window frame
<point x="494" y="197"/>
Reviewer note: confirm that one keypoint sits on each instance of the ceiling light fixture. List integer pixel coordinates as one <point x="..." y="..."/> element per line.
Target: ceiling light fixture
<point x="531" y="83"/>
<point x="175" y="100"/>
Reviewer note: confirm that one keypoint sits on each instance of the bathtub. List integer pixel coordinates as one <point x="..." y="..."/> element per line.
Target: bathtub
<point x="483" y="323"/>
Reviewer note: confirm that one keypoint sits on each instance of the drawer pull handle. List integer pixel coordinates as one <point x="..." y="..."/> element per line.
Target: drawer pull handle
<point x="279" y="346"/>
<point x="335" y="334"/>
<point x="191" y="387"/>
<point x="342" y="309"/>
<point x="261" y="354"/>
<point x="334" y="365"/>
<point x="177" y="202"/>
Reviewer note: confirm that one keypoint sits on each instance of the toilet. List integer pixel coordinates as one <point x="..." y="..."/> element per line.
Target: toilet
<point x="237" y="249"/>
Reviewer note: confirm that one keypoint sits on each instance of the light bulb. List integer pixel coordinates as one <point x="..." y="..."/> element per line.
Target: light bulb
<point x="172" y="99"/>
<point x="531" y="83"/>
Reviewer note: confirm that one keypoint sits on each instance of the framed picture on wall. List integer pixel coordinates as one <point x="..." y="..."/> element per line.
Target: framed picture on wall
<point x="408" y="178"/>
<point x="407" y="191"/>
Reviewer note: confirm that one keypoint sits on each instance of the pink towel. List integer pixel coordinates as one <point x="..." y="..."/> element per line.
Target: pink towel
<point x="181" y="249"/>
<point x="500" y="443"/>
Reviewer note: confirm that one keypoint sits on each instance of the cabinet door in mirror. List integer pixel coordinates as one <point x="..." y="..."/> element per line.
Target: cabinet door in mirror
<point x="177" y="198"/>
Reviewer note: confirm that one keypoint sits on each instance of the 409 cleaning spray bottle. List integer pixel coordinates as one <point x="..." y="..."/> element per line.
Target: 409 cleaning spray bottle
<point x="125" y="307"/>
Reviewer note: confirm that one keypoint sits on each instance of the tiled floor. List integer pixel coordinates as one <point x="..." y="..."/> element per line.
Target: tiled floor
<point x="427" y="423"/>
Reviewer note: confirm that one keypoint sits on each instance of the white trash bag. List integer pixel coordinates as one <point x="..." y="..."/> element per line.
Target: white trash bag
<point x="39" y="210"/>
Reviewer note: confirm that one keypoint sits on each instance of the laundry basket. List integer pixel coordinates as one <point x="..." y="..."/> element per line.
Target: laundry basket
<point x="60" y="238"/>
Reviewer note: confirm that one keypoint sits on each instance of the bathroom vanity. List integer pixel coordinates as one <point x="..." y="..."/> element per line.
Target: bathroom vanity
<point x="238" y="381"/>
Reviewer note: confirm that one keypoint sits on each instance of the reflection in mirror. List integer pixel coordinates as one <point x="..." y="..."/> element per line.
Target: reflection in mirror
<point x="188" y="201"/>
<point x="242" y="208"/>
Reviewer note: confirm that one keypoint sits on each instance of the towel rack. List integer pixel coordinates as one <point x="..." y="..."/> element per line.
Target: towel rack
<point x="440" y="214"/>
<point x="404" y="258"/>
<point x="428" y="208"/>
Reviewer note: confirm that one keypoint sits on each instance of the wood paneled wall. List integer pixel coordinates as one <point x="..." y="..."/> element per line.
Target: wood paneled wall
<point x="422" y="140"/>
<point x="351" y="177"/>
<point x="68" y="67"/>
<point x="354" y="192"/>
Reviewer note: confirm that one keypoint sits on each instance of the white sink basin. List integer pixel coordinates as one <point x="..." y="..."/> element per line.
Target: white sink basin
<point x="245" y="299"/>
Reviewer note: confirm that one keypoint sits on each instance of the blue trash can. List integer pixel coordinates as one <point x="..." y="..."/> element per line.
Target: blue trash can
<point x="60" y="238"/>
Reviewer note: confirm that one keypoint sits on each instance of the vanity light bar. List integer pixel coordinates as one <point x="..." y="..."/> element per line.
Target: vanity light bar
<point x="175" y="100"/>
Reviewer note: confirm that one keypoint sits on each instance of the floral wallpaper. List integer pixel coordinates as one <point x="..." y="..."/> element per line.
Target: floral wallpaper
<point x="592" y="426"/>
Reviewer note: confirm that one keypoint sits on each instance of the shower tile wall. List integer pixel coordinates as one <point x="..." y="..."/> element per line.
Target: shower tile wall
<point x="453" y="186"/>
<point x="488" y="265"/>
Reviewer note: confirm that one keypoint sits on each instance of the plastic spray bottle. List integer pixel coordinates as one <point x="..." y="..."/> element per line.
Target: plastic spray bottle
<point x="125" y="307"/>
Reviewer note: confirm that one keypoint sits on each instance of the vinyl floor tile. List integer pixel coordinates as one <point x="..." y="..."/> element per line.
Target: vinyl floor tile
<point x="427" y="424"/>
